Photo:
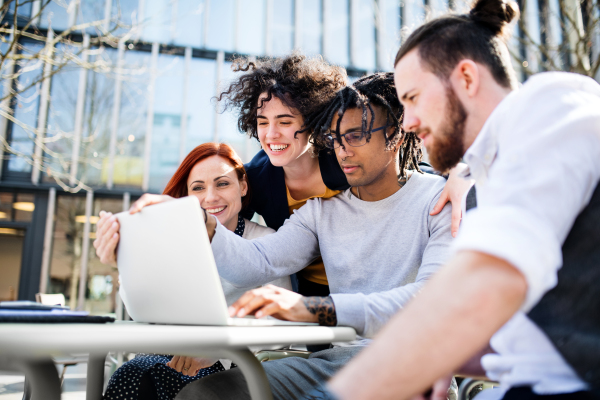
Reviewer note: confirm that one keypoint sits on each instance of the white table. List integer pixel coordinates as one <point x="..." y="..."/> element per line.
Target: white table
<point x="29" y="347"/>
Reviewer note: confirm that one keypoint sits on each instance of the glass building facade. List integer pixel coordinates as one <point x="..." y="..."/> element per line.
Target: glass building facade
<point x="122" y="125"/>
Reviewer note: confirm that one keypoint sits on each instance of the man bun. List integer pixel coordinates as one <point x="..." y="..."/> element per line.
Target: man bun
<point x="479" y="36"/>
<point x="495" y="14"/>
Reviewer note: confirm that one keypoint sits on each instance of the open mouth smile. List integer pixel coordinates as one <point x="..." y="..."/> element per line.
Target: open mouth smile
<point x="216" y="210"/>
<point x="276" y="148"/>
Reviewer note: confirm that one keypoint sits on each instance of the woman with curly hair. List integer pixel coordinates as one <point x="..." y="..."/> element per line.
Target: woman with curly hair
<point x="273" y="99"/>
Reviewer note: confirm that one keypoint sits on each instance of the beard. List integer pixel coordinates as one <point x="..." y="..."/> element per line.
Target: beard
<point x="448" y="147"/>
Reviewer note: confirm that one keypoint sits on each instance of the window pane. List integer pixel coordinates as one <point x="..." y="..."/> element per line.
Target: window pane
<point x="67" y="242"/>
<point x="6" y="210"/>
<point x="91" y="11"/>
<point x="11" y="251"/>
<point x="129" y="158"/>
<point x="251" y="27"/>
<point x="364" y="40"/>
<point x="122" y="16"/>
<point x="26" y="109"/>
<point x="156" y="21"/>
<point x="61" y="117"/>
<point x="336" y="42"/>
<point x="390" y="40"/>
<point x="55" y="14"/>
<point x="414" y="13"/>
<point x="311" y="27"/>
<point x="102" y="279"/>
<point x="201" y="109"/>
<point x="65" y="264"/>
<point x="23" y="10"/>
<point x="282" y="30"/>
<point x="168" y="104"/>
<point x="190" y="23"/>
<point x="228" y="130"/>
<point x="220" y="25"/>
<point x="16" y="207"/>
<point x="438" y="7"/>
<point x="99" y="100"/>
<point x="11" y="242"/>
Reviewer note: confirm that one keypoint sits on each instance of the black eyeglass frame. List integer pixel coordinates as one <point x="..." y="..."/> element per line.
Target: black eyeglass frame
<point x="363" y="134"/>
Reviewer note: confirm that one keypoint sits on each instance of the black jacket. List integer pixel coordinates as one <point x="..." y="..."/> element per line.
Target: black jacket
<point x="267" y="186"/>
<point x="568" y="312"/>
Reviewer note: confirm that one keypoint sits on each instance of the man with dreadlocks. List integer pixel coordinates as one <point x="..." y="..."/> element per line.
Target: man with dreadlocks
<point x="377" y="239"/>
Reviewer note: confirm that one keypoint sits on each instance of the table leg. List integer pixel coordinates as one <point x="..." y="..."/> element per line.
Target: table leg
<point x="254" y="374"/>
<point x="95" y="376"/>
<point x="43" y="379"/>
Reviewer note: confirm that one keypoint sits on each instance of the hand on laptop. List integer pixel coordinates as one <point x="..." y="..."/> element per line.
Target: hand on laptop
<point x="107" y="238"/>
<point x="190" y="366"/>
<point x="275" y="301"/>
<point x="147" y="200"/>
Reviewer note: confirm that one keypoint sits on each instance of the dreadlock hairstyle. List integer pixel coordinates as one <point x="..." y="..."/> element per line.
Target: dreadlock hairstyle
<point x="302" y="83"/>
<point x="372" y="90"/>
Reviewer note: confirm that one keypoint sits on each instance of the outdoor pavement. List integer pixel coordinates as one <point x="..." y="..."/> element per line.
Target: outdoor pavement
<point x="11" y="384"/>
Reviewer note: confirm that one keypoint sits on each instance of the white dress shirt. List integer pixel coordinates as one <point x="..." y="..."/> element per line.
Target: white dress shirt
<point x="536" y="163"/>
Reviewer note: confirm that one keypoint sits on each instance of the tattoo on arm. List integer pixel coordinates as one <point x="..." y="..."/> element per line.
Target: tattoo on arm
<point x="323" y="308"/>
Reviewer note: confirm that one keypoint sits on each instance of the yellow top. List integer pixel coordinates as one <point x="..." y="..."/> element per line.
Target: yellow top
<point x="315" y="272"/>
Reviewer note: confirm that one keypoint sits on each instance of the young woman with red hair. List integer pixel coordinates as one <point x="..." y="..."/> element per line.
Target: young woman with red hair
<point x="213" y="173"/>
<point x="231" y="191"/>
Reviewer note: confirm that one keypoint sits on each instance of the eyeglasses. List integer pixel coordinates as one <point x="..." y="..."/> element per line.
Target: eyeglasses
<point x="354" y="139"/>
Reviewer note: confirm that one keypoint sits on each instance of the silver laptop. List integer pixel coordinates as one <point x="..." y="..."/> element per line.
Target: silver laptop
<point x="167" y="270"/>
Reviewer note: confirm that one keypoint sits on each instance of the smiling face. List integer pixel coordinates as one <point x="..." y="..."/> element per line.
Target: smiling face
<point x="276" y="126"/>
<point x="215" y="183"/>
<point x="365" y="165"/>
<point x="431" y="110"/>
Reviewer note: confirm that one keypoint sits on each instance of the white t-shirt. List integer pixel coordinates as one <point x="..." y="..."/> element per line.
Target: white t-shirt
<point x="536" y="163"/>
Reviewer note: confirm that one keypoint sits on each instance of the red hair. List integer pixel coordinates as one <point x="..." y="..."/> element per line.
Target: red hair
<point x="177" y="186"/>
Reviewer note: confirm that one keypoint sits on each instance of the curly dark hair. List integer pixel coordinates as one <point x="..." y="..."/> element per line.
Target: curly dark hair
<point x="305" y="84"/>
<point x="379" y="90"/>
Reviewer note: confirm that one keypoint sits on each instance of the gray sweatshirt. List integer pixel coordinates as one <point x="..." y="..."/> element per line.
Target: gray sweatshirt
<point x="377" y="255"/>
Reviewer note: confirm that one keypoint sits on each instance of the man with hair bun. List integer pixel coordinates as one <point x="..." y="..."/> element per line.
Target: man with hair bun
<point x="524" y="274"/>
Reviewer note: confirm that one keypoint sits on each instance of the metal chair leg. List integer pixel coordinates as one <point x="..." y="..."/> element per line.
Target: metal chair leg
<point x="258" y="384"/>
<point x="62" y="375"/>
<point x="43" y="379"/>
<point x="95" y="376"/>
<point x="26" y="390"/>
